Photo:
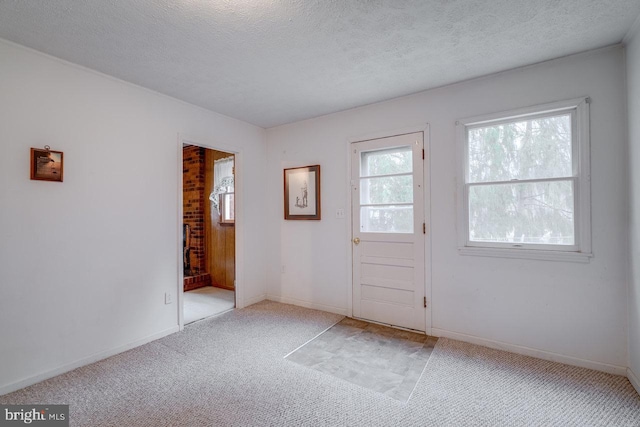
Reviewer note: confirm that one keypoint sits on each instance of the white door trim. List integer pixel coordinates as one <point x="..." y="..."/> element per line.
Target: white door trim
<point x="425" y="128"/>
<point x="239" y="219"/>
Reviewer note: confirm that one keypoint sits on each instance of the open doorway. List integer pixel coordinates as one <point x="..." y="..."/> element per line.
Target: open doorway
<point x="208" y="199"/>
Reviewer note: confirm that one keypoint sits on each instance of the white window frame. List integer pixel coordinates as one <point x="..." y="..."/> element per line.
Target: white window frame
<point x="581" y="250"/>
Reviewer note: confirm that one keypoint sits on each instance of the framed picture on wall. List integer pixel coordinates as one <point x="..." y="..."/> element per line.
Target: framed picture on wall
<point x="46" y="165"/>
<point x="302" y="193"/>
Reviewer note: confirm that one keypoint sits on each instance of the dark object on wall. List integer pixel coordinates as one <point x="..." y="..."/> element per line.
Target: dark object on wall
<point x="302" y="193"/>
<point x="46" y="165"/>
<point x="186" y="249"/>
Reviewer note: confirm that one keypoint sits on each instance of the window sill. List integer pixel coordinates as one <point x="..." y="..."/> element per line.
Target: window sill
<point x="544" y="255"/>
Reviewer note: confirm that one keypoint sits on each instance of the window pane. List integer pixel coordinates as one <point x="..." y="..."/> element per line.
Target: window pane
<point x="387" y="190"/>
<point x="229" y="211"/>
<point x="386" y="219"/>
<point x="536" y="213"/>
<point x="386" y="162"/>
<point x="529" y="149"/>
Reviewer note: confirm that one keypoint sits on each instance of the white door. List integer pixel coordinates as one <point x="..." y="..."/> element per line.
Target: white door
<point x="388" y="239"/>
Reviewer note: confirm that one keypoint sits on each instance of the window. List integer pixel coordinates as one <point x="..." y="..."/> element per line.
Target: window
<point x="386" y="190"/>
<point x="227" y="208"/>
<point x="525" y="183"/>
<point x="222" y="196"/>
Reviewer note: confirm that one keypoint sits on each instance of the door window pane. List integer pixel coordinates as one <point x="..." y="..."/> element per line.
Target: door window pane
<point x="527" y="213"/>
<point x="536" y="148"/>
<point x="386" y="190"/>
<point x="386" y="162"/>
<point x="386" y="219"/>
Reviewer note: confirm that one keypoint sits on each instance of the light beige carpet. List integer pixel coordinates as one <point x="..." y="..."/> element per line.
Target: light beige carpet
<point x="230" y="370"/>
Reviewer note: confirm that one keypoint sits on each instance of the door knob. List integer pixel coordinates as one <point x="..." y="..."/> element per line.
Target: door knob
<point x="356" y="240"/>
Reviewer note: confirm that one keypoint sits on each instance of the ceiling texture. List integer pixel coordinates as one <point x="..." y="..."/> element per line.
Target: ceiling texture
<point x="271" y="62"/>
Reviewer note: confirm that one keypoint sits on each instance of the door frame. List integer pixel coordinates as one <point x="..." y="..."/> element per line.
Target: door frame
<point x="426" y="130"/>
<point x="239" y="219"/>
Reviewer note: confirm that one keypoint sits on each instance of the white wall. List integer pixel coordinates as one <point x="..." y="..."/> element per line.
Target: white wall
<point x="633" y="99"/>
<point x="569" y="311"/>
<point x="84" y="264"/>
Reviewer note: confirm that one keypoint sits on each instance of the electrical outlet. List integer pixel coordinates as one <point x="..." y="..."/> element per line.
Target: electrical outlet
<point x="167" y="297"/>
<point x="340" y="213"/>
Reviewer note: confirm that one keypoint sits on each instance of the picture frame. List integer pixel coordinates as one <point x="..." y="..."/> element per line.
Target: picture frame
<point x="47" y="165"/>
<point x="302" y="193"/>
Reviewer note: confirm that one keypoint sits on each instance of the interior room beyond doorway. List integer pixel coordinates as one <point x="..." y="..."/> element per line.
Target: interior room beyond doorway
<point x="208" y="232"/>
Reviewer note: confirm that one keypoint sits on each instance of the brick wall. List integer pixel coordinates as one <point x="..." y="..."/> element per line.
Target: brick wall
<point x="193" y="203"/>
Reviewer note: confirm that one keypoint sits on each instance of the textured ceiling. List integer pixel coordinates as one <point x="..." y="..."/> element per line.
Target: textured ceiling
<point x="271" y="62"/>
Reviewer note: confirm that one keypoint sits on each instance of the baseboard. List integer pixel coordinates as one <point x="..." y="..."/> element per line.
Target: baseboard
<point x="633" y="379"/>
<point x="83" y="362"/>
<point x="307" y="304"/>
<point x="527" y="351"/>
<point x="254" y="300"/>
